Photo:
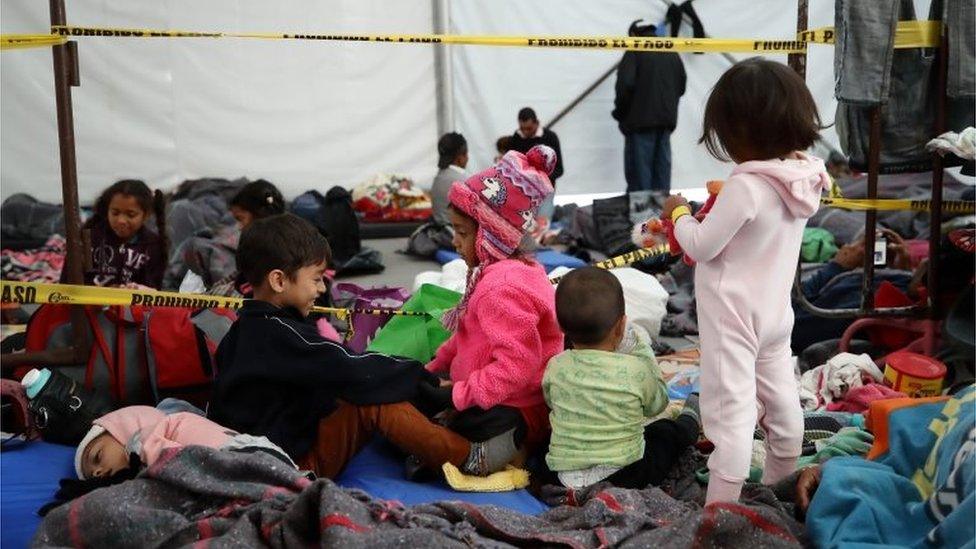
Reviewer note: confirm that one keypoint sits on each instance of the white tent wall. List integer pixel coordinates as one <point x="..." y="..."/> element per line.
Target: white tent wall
<point x="491" y="84"/>
<point x="316" y="114"/>
<point x="301" y="114"/>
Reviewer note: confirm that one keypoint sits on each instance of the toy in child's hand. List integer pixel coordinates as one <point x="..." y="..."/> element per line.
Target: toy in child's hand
<point x="664" y="227"/>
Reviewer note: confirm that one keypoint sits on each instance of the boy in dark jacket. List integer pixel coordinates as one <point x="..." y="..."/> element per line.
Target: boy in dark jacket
<point x="321" y="403"/>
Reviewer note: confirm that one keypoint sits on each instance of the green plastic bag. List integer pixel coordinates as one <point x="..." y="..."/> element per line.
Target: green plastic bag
<point x="818" y="245"/>
<point x="417" y="337"/>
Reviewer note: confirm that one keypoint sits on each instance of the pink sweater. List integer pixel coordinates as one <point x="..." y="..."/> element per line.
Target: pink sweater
<point x="158" y="432"/>
<point x="507" y="335"/>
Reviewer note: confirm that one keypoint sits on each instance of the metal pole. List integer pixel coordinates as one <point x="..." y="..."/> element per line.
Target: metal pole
<point x="613" y="69"/>
<point x="443" y="70"/>
<point x="935" y="221"/>
<point x="66" y="74"/>
<point x="798" y="61"/>
<point x="871" y="216"/>
<point x="579" y="99"/>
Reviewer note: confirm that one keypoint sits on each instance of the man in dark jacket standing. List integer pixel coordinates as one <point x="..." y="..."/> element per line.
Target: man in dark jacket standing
<point x="530" y="134"/>
<point x="649" y="86"/>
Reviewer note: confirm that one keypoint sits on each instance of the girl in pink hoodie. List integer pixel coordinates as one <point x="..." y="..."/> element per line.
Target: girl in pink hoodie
<point x="505" y="328"/>
<point x="760" y="115"/>
<point x="149" y="433"/>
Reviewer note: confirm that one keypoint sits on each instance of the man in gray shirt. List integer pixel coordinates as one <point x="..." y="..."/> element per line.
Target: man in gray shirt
<point x="452" y="150"/>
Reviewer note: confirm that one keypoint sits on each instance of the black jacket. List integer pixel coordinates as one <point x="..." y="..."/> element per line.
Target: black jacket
<point x="550" y="139"/>
<point x="649" y="86"/>
<point x="276" y="377"/>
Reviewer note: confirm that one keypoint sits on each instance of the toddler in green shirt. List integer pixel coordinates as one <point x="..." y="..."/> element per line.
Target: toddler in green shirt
<point x="603" y="390"/>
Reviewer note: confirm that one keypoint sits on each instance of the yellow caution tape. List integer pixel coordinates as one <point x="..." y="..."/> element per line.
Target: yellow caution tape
<point x="626" y="259"/>
<point x="70" y="294"/>
<point x="23" y="41"/>
<point x="835" y="190"/>
<point x="861" y="204"/>
<point x="910" y="34"/>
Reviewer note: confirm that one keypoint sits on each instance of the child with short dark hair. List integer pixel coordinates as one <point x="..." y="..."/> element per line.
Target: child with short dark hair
<point x="760" y="115"/>
<point x="124" y="251"/>
<point x="321" y="403"/>
<point x="603" y="390"/>
<point x="256" y="200"/>
<point x="452" y="158"/>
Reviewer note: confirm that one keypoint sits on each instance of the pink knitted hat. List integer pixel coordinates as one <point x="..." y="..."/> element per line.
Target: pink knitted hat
<point x="504" y="200"/>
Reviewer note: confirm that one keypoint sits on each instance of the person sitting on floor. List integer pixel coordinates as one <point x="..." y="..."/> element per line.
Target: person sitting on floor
<point x="603" y="390"/>
<point x="124" y="251"/>
<point x="256" y="200"/>
<point x="277" y="377"/>
<point x="505" y="327"/>
<point x="452" y="150"/>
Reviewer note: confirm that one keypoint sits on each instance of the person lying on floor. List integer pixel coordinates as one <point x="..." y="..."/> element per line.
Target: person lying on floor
<point x="837" y="285"/>
<point x="604" y="389"/>
<point x="122" y="443"/>
<point x="148" y="433"/>
<point x="277" y="377"/>
<point x="917" y="487"/>
<point x="505" y="328"/>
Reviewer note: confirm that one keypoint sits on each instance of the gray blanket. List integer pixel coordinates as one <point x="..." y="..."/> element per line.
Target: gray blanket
<point x="224" y="499"/>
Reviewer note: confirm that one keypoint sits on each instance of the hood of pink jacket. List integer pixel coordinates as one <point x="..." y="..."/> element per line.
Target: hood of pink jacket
<point x="800" y="181"/>
<point x="124" y="423"/>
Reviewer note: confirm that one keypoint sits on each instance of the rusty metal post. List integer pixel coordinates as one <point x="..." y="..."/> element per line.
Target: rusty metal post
<point x="798" y="61"/>
<point x="66" y="74"/>
<point x="871" y="216"/>
<point x="935" y="219"/>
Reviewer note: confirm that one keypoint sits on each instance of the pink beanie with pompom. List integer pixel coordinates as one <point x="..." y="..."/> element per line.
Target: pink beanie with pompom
<point x="504" y="200"/>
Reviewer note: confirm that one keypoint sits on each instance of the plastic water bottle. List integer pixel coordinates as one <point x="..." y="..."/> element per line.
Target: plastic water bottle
<point x="35" y="380"/>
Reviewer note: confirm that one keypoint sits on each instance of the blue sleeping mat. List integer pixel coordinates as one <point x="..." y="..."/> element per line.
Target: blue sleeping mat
<point x="378" y="471"/>
<point x="549" y="259"/>
<point x="29" y="475"/>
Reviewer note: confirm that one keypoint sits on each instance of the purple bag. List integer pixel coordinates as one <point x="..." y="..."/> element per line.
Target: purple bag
<point x="365" y="326"/>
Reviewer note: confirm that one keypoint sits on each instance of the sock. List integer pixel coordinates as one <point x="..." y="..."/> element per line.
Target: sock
<point x="692" y="409"/>
<point x="491" y="455"/>
<point x="720" y="489"/>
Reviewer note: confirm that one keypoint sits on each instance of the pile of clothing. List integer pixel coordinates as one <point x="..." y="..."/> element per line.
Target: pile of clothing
<point x="846" y="383"/>
<point x="391" y="198"/>
<point x="42" y="264"/>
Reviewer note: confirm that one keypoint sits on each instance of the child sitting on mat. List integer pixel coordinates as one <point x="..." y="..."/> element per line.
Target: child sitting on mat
<point x="277" y="377"/>
<point x="124" y="251"/>
<point x="505" y="327"/>
<point x="604" y="389"/>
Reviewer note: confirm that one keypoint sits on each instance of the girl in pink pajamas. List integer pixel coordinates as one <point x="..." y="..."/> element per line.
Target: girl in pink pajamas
<point x="761" y="116"/>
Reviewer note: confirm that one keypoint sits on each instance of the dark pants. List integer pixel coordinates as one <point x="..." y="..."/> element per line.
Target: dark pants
<point x="479" y="425"/>
<point x="647" y="161"/>
<point x="664" y="442"/>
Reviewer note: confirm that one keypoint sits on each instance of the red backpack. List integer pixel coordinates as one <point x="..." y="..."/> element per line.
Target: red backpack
<point x="139" y="355"/>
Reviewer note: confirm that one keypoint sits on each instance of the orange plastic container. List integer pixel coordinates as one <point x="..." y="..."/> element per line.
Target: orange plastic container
<point x="914" y="374"/>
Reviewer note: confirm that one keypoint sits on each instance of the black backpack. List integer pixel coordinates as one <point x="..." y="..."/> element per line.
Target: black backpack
<point x="63" y="411"/>
<point x="335" y="219"/>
